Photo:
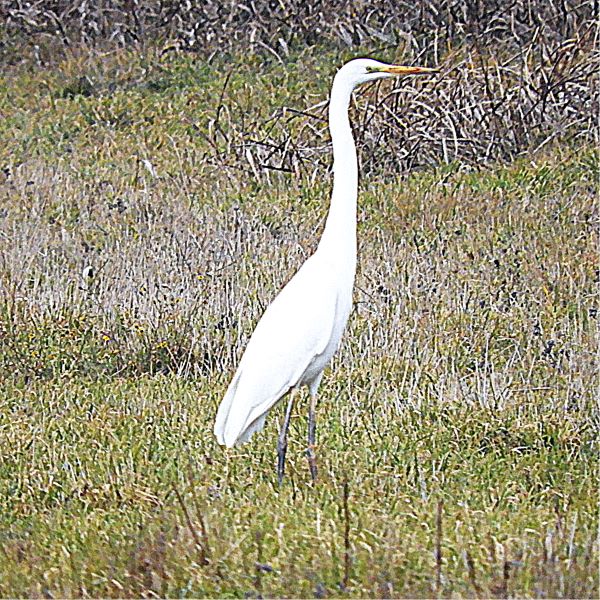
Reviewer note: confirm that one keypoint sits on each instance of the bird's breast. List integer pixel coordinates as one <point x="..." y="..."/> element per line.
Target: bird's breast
<point x="320" y="361"/>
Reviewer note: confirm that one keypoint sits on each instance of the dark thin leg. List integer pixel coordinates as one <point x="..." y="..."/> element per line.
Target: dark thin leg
<point x="312" y="430"/>
<point x="282" y="441"/>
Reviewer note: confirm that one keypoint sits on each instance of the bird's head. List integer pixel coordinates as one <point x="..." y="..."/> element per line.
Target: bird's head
<point x="362" y="70"/>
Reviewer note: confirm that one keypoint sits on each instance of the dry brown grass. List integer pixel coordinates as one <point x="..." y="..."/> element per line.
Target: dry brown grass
<point x="131" y="201"/>
<point x="272" y="29"/>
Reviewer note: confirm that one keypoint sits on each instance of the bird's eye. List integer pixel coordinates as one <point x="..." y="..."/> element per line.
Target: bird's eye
<point x="372" y="69"/>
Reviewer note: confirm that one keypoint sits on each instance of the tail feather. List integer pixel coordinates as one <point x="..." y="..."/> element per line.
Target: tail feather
<point x="248" y="432"/>
<point x="224" y="409"/>
<point x="240" y="415"/>
<point x="236" y="422"/>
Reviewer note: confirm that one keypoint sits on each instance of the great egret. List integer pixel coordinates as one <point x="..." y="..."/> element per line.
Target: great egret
<point x="302" y="328"/>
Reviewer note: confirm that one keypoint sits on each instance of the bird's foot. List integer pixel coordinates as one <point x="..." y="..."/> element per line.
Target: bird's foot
<point x="281" y="452"/>
<point x="312" y="461"/>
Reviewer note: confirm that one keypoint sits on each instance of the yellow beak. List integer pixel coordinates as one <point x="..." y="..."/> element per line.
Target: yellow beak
<point x="400" y="70"/>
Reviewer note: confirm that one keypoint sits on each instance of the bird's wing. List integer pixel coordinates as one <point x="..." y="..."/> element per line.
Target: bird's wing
<point x="294" y="330"/>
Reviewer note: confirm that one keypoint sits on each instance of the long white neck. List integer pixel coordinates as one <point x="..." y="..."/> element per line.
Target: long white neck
<point x="339" y="237"/>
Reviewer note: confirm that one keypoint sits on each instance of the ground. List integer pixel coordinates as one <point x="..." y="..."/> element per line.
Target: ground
<point x="457" y="425"/>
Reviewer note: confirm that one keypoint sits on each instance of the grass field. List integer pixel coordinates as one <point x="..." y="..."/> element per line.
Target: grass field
<point x="458" y="424"/>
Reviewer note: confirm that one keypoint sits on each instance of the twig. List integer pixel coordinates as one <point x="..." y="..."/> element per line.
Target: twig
<point x="203" y="560"/>
<point x="438" y="546"/>
<point x="471" y="571"/>
<point x="346" y="494"/>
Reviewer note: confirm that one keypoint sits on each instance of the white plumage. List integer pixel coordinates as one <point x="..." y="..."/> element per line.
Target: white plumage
<point x="290" y="346"/>
<point x="302" y="328"/>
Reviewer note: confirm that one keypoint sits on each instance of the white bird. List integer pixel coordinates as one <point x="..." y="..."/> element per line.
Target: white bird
<point x="302" y="328"/>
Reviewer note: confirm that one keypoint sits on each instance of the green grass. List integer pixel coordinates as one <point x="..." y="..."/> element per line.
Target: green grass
<point x="457" y="427"/>
<point x="89" y="472"/>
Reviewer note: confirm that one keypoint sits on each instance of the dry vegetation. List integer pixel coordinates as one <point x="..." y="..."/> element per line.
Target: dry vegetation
<point x="153" y="198"/>
<point x="517" y="75"/>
